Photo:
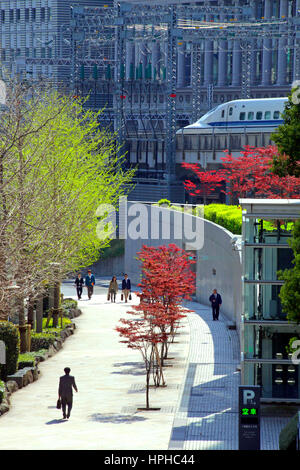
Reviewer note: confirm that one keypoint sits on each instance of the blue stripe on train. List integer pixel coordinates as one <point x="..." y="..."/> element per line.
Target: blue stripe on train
<point x="275" y="122"/>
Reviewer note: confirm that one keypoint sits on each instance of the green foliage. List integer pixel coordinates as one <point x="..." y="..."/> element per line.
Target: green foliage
<point x="290" y="291"/>
<point x="289" y="348"/>
<point x="116" y="248"/>
<point x="67" y="305"/>
<point x="229" y="217"/>
<point x="28" y="359"/>
<point x="50" y="329"/>
<point x="287" y="436"/>
<point x="165" y="202"/>
<point x="2" y="390"/>
<point x="287" y="139"/>
<point x="42" y="340"/>
<point x="9" y="333"/>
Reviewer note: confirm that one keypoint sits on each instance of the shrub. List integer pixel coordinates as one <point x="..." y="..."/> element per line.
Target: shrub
<point x="9" y="333"/>
<point x="288" y="435"/>
<point x="229" y="217"/>
<point x="67" y="305"/>
<point x="164" y="202"/>
<point x="50" y="329"/>
<point x="42" y="340"/>
<point x="2" y="390"/>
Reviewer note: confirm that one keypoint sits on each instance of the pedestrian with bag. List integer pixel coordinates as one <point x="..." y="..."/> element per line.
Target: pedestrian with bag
<point x="65" y="392"/>
<point x="215" y="300"/>
<point x="113" y="289"/>
<point x="89" y="283"/>
<point x="79" y="282"/>
<point x="126" y="287"/>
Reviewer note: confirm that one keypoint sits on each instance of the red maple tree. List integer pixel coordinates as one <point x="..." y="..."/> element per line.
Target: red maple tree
<point x="248" y="175"/>
<point x="166" y="281"/>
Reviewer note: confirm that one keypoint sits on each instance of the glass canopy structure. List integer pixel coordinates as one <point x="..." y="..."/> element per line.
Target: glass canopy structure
<point x="265" y="331"/>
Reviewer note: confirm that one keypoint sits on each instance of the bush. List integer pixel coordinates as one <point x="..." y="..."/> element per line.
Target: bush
<point x="42" y="340"/>
<point x="287" y="436"/>
<point x="9" y="333"/>
<point x="2" y="390"/>
<point x="50" y="329"/>
<point x="67" y="305"/>
<point x="229" y="217"/>
<point x="164" y="202"/>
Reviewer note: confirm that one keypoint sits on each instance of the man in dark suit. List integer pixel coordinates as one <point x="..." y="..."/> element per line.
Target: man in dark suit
<point x="65" y="391"/>
<point x="79" y="282"/>
<point x="216" y="301"/>
<point x="126" y="287"/>
<point x="89" y="283"/>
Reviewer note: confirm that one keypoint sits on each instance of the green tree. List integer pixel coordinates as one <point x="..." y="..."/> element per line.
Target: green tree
<point x="287" y="138"/>
<point x="290" y="291"/>
<point x="57" y="166"/>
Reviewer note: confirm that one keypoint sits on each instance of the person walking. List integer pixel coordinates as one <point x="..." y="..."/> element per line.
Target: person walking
<point x="216" y="301"/>
<point x="79" y="282"/>
<point x="126" y="287"/>
<point x="89" y="283"/>
<point x="113" y="289"/>
<point x="65" y="391"/>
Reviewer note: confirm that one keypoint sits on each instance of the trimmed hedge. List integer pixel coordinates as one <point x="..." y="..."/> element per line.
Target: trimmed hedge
<point x="9" y="333"/>
<point x="42" y="340"/>
<point x="229" y="217"/>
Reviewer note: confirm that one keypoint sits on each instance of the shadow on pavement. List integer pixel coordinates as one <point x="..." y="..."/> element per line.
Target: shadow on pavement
<point x="115" y="418"/>
<point x="138" y="368"/>
<point x="57" y="421"/>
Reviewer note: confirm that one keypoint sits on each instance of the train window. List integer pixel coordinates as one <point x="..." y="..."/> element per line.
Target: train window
<point x="230" y="111"/>
<point x="259" y="115"/>
<point x="267" y="114"/>
<point x="223" y="113"/>
<point x="242" y="116"/>
<point x="276" y="115"/>
<point x="250" y="115"/>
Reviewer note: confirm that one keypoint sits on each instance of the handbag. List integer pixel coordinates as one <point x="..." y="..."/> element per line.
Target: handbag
<point x="58" y="404"/>
<point x="122" y="296"/>
<point x="129" y="297"/>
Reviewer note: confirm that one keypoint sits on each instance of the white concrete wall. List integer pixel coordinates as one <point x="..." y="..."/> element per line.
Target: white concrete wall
<point x="214" y="252"/>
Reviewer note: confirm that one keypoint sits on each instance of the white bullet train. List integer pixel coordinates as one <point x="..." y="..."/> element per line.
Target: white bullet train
<point x="230" y="126"/>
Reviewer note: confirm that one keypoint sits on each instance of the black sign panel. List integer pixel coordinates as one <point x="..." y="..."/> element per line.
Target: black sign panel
<point x="249" y="417"/>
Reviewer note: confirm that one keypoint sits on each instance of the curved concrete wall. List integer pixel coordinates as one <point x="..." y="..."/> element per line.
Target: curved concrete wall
<point x="218" y="265"/>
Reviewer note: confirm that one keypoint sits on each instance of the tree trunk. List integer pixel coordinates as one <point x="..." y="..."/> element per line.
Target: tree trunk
<point x="39" y="314"/>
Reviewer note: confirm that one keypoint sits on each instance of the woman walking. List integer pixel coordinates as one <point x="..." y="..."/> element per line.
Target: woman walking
<point x="113" y="289"/>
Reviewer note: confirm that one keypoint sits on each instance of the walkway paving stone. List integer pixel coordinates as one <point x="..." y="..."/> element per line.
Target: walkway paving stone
<point x="198" y="408"/>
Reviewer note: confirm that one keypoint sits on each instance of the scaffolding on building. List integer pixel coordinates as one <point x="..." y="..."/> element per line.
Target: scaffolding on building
<point x="96" y="45"/>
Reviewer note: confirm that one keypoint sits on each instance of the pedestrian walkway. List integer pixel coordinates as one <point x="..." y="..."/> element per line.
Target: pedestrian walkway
<point x="207" y="413"/>
<point x="198" y="408"/>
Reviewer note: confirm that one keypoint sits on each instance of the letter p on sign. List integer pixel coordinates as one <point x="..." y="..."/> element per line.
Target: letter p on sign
<point x="248" y="395"/>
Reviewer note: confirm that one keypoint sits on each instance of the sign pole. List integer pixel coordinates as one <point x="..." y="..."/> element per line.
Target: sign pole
<point x="249" y="417"/>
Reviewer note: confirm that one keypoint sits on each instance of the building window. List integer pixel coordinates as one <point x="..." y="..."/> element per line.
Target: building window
<point x="27" y="15"/>
<point x="3" y="55"/>
<point x="43" y="52"/>
<point x="49" y="14"/>
<point x="11" y="16"/>
<point x="43" y="14"/>
<point x="3" y="16"/>
<point x="27" y="52"/>
<point x="33" y="14"/>
<point x="18" y="15"/>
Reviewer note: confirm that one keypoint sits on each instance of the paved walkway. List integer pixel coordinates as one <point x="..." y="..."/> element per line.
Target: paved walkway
<point x="198" y="408"/>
